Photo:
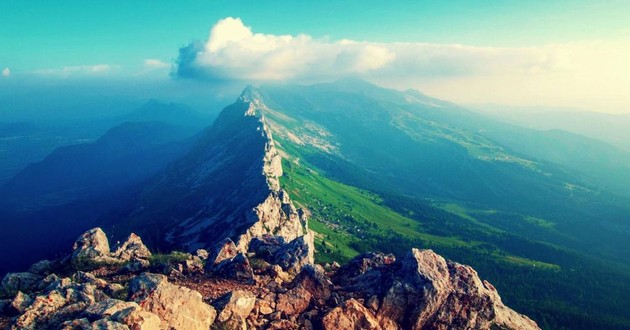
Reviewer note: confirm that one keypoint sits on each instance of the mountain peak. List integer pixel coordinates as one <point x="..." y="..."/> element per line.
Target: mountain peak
<point x="252" y="97"/>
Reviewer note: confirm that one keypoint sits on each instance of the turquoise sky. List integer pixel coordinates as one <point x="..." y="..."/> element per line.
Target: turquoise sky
<point x="52" y="34"/>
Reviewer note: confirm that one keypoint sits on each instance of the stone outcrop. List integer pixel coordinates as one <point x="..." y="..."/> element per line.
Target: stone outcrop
<point x="419" y="290"/>
<point x="132" y="248"/>
<point x="350" y="315"/>
<point x="92" y="249"/>
<point x="422" y="290"/>
<point x="177" y="307"/>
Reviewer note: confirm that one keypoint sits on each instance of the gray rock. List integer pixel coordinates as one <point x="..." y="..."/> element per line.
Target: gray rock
<point x="296" y="254"/>
<point x="42" y="267"/>
<point x="224" y="250"/>
<point x="238" y="303"/>
<point x="90" y="249"/>
<point x="20" y="302"/>
<point x="108" y="307"/>
<point x="237" y="268"/>
<point x="202" y="254"/>
<point x="350" y="315"/>
<point x="14" y="282"/>
<point x="177" y="307"/>
<point x="132" y="248"/>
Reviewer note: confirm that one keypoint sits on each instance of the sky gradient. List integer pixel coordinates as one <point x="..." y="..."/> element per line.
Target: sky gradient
<point x="587" y="40"/>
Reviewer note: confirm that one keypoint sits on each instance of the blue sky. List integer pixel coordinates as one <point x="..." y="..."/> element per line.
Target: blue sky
<point x="131" y="37"/>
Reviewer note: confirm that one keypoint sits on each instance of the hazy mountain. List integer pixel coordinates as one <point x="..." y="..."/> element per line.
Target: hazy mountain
<point x="68" y="191"/>
<point x="610" y="128"/>
<point x="23" y="143"/>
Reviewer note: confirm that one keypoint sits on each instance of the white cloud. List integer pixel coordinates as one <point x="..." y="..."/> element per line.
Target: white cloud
<point x="585" y="74"/>
<point x="155" y="64"/>
<point x="79" y="70"/>
<point x="6" y="72"/>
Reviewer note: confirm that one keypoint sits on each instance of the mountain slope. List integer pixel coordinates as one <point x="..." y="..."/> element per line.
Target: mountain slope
<point x="52" y="201"/>
<point x="382" y="169"/>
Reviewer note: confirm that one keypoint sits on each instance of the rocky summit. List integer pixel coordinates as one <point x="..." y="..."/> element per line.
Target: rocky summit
<point x="273" y="285"/>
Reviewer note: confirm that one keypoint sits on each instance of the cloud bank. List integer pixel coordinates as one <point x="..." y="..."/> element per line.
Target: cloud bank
<point x="79" y="70"/>
<point x="586" y="74"/>
<point x="234" y="52"/>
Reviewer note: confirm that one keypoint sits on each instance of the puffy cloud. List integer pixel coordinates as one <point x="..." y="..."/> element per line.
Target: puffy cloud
<point x="591" y="74"/>
<point x="234" y="52"/>
<point x="6" y="72"/>
<point x="79" y="70"/>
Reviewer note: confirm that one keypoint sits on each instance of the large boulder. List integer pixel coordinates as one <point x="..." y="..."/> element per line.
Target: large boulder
<point x="296" y="254"/>
<point x="132" y="248"/>
<point x="237" y="268"/>
<point x="177" y="307"/>
<point x="422" y="290"/>
<point x="14" y="282"/>
<point x="313" y="280"/>
<point x="92" y="248"/>
<point x="293" y="302"/>
<point x="224" y="250"/>
<point x="351" y="315"/>
<point x="236" y="304"/>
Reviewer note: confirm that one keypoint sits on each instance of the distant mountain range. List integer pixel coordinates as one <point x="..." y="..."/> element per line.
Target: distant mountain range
<point x="543" y="214"/>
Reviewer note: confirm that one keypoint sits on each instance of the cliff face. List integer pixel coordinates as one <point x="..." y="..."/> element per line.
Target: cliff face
<point x="129" y="288"/>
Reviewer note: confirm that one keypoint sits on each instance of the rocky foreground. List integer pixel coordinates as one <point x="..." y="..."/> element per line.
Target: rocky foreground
<point x="274" y="286"/>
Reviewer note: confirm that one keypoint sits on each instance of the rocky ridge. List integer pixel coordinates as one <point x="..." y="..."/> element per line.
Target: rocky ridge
<point x="252" y="265"/>
<point x="130" y="288"/>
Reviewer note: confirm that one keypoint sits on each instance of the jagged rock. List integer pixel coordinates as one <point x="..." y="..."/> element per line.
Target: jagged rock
<point x="362" y="264"/>
<point x="294" y="255"/>
<point x="350" y="315"/>
<point x="193" y="264"/>
<point x="78" y="324"/>
<point x="107" y="307"/>
<point x="132" y="248"/>
<point x="237" y="268"/>
<point x="137" y="319"/>
<point x="373" y="303"/>
<point x="278" y="274"/>
<point x="42" y="267"/>
<point x="294" y="301"/>
<point x="91" y="248"/>
<point x="91" y="244"/>
<point x="275" y="216"/>
<point x="177" y="307"/>
<point x="14" y="282"/>
<point x="225" y="250"/>
<point x="47" y="281"/>
<point x="20" y="302"/>
<point x="202" y="254"/>
<point x="266" y="246"/>
<point x="40" y="312"/>
<point x="313" y="279"/>
<point x="423" y="290"/>
<point x="263" y="307"/>
<point x="84" y="277"/>
<point x="282" y="325"/>
<point x="238" y="303"/>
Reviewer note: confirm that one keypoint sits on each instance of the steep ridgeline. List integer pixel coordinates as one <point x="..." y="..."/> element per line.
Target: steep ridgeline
<point x="226" y="187"/>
